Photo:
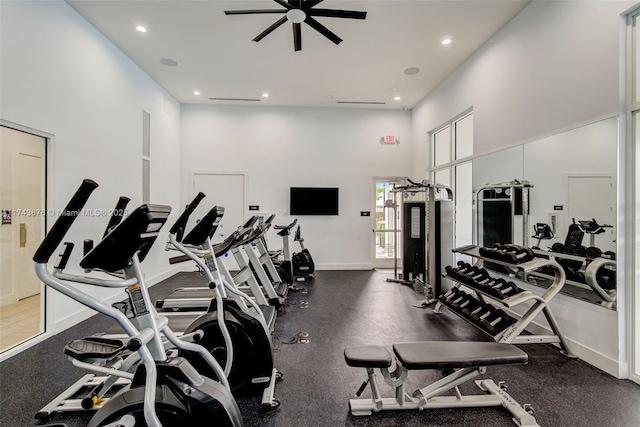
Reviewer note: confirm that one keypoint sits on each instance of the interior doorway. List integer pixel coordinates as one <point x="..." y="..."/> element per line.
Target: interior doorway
<point x="23" y="205"/>
<point x="386" y="220"/>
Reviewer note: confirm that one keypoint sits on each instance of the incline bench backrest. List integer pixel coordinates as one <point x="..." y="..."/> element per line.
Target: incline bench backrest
<point x="136" y="233"/>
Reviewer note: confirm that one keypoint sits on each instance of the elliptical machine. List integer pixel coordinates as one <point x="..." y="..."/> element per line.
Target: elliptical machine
<point x="165" y="389"/>
<point x="247" y="354"/>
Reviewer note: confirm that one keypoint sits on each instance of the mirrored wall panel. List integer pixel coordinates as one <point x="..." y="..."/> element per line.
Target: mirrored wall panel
<point x="567" y="209"/>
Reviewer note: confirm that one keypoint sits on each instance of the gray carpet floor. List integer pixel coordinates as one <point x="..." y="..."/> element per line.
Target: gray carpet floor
<point x="350" y="308"/>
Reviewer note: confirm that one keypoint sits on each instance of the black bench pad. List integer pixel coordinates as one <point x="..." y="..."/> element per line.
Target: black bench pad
<point x="457" y="354"/>
<point x="367" y="356"/>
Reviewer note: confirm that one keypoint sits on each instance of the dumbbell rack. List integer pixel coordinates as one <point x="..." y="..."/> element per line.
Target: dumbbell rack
<point x="609" y="297"/>
<point x="513" y="334"/>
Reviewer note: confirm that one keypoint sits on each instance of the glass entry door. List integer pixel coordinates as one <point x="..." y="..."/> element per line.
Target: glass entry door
<point x="22" y="201"/>
<point x="386" y="223"/>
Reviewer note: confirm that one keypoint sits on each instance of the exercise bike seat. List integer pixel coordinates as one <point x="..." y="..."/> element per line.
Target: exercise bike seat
<point x="456" y="354"/>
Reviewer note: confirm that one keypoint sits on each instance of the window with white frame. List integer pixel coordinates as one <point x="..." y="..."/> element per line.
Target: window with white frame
<point x="451" y="148"/>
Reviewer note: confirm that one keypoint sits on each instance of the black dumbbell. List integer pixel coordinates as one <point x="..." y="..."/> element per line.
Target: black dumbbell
<point x="486" y="310"/>
<point x="593" y="252"/>
<point x="476" y="275"/>
<point x="496" y="323"/>
<point x="609" y="255"/>
<point x="521" y="255"/>
<point x="459" y="299"/>
<point x="508" y="290"/>
<point x="451" y="293"/>
<point x="606" y="277"/>
<point x="470" y="306"/>
<point x="580" y="251"/>
<point x="557" y="248"/>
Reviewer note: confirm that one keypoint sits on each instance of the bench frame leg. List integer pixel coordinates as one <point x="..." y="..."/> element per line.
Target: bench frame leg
<point x="430" y="397"/>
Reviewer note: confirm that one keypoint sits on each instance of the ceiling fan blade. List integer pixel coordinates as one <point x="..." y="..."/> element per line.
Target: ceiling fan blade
<point x="270" y="29"/>
<point x="297" y="37"/>
<point x="335" y="13"/>
<point x="308" y="4"/>
<point x="248" y="12"/>
<point x="322" y="30"/>
<point x="284" y="4"/>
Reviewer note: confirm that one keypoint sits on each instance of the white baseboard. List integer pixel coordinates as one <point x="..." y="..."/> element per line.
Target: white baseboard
<point x="589" y="355"/>
<point x="344" y="267"/>
<point x="8" y="299"/>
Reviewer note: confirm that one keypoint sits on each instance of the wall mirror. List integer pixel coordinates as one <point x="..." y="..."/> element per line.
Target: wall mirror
<point x="572" y="211"/>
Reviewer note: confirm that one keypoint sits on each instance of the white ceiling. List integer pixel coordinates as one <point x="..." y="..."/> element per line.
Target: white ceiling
<point x="216" y="54"/>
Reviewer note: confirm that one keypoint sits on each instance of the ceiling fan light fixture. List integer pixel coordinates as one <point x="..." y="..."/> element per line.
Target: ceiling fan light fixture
<point x="296" y="16"/>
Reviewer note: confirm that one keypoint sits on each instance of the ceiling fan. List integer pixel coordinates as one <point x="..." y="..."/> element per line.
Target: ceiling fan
<point x="299" y="11"/>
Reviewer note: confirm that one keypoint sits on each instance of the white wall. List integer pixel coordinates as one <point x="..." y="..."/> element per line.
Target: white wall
<point x="60" y="76"/>
<point x="302" y="147"/>
<point x="554" y="66"/>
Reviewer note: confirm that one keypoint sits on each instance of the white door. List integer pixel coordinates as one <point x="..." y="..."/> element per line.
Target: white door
<point x="386" y="223"/>
<point x="226" y="189"/>
<point x="591" y="197"/>
<point x="22" y="201"/>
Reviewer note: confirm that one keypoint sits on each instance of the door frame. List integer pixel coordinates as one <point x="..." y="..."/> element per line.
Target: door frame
<point x="245" y="184"/>
<point x="47" y="300"/>
<point x="375" y="179"/>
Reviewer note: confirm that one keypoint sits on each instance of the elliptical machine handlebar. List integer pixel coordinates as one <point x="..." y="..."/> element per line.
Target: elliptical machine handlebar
<point x="117" y="214"/>
<point x="179" y="227"/>
<point x="64" y="222"/>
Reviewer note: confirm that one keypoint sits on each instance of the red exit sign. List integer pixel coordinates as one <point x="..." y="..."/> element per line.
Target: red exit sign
<point x="389" y="139"/>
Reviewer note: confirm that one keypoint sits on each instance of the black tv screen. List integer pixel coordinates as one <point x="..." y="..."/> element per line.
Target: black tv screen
<point x="313" y="201"/>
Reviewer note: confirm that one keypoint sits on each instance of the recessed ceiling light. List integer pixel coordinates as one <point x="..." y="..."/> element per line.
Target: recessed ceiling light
<point x="169" y="62"/>
<point x="141" y="29"/>
<point x="412" y="70"/>
<point x="196" y="93"/>
<point x="265" y="95"/>
<point x="397" y="98"/>
<point x="446" y="41"/>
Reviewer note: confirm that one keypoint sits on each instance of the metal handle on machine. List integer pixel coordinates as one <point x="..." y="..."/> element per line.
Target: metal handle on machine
<point x="64" y="222"/>
<point x="23" y="235"/>
<point x="117" y="214"/>
<point x="179" y="227"/>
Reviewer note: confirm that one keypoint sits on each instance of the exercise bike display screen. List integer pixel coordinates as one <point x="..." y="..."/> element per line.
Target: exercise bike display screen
<point x="313" y="201"/>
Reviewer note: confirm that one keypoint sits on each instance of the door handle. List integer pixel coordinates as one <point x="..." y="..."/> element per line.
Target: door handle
<point x="23" y="235"/>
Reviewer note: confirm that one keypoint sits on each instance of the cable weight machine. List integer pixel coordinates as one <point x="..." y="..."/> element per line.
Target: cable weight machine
<point x="423" y="217"/>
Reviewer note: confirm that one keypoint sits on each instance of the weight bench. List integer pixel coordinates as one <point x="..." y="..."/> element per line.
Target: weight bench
<point x="459" y="362"/>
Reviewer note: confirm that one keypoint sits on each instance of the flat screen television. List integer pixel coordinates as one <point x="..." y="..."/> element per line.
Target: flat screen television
<point x="313" y="201"/>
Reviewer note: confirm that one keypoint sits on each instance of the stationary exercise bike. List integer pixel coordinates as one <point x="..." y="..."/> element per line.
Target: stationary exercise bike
<point x="302" y="262"/>
<point x="165" y="389"/>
